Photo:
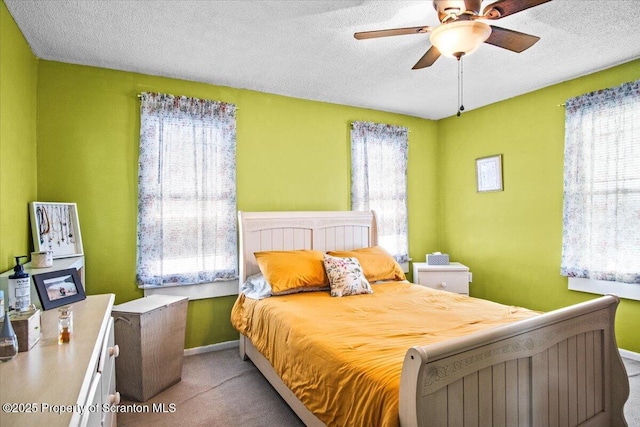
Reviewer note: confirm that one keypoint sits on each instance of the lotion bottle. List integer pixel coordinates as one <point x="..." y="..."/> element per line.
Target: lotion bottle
<point x="19" y="288"/>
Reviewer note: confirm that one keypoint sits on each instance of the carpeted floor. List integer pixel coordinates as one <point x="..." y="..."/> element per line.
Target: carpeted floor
<point x="219" y="389"/>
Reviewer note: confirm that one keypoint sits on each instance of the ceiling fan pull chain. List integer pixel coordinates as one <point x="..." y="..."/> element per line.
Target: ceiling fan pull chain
<point x="460" y="86"/>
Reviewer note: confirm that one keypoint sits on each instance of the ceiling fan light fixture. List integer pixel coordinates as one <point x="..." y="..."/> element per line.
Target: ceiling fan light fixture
<point x="460" y="37"/>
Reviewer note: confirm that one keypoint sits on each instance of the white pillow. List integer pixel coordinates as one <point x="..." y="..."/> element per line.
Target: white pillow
<point x="256" y="287"/>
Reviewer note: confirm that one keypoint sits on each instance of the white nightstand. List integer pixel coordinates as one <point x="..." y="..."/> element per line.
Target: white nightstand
<point x="453" y="277"/>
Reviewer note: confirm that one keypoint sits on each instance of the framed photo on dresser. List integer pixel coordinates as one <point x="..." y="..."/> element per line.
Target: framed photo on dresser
<point x="58" y="288"/>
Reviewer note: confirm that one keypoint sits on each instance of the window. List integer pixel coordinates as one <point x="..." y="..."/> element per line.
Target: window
<point x="379" y="181"/>
<point x="601" y="218"/>
<point x="186" y="191"/>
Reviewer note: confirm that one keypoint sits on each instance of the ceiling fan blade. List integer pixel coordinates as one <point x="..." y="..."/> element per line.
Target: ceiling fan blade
<point x="428" y="58"/>
<point x="392" y="32"/>
<point x="503" y="8"/>
<point x="511" y="40"/>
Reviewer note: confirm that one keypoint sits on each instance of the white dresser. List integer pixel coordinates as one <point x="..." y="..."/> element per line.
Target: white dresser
<point x="65" y="385"/>
<point x="453" y="277"/>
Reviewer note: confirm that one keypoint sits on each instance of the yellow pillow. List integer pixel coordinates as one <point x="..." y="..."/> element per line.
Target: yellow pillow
<point x="293" y="271"/>
<point x="376" y="263"/>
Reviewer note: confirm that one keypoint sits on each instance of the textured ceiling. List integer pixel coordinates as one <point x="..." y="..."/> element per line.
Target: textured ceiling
<point x="306" y="49"/>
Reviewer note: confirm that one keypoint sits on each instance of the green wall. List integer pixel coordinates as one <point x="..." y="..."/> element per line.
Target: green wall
<point x="292" y="154"/>
<point x="18" y="73"/>
<point x="512" y="240"/>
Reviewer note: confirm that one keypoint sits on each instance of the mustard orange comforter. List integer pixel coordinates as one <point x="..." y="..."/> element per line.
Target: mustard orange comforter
<point x="342" y="357"/>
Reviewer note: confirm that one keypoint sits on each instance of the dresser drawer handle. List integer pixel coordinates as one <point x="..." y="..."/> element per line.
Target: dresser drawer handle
<point x="114" y="351"/>
<point x="443" y="285"/>
<point x="114" y="399"/>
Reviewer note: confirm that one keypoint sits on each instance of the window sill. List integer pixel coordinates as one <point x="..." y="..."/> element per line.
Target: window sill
<point x="200" y="291"/>
<point x="603" y="287"/>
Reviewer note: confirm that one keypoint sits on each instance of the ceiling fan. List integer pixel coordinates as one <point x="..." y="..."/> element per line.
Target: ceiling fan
<point x="462" y="30"/>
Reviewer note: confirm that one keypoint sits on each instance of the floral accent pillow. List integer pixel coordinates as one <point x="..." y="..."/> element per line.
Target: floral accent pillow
<point x="345" y="276"/>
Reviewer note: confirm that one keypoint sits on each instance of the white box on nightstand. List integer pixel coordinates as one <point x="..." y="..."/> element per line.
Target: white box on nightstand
<point x="452" y="277"/>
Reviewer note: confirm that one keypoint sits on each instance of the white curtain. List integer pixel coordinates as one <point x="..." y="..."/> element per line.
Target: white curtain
<point x="601" y="219"/>
<point x="379" y="155"/>
<point x="186" y="191"/>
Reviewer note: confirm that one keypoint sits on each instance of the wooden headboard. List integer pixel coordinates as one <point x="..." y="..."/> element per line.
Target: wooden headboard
<point x="322" y="231"/>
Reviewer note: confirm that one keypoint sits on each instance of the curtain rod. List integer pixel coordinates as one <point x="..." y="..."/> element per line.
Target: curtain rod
<point x="408" y="130"/>
<point x="139" y="96"/>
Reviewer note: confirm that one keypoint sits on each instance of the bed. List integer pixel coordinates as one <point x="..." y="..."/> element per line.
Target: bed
<point x="556" y="368"/>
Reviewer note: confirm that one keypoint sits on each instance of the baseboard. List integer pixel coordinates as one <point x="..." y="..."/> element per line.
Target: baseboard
<point x="213" y="347"/>
<point x="629" y="354"/>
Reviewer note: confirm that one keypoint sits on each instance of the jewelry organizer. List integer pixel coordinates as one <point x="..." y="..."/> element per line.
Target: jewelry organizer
<point x="55" y="227"/>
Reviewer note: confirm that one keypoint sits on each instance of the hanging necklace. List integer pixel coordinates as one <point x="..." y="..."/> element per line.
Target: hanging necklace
<point x="56" y="223"/>
<point x="63" y="221"/>
<point x="70" y="225"/>
<point x="43" y="222"/>
<point x="49" y="215"/>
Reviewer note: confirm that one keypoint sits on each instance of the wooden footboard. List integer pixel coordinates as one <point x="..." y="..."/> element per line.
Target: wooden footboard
<point x="562" y="368"/>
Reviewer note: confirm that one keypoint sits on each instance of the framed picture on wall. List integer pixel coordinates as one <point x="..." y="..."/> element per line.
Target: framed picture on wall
<point x="58" y="288"/>
<point x="489" y="173"/>
<point x="55" y="227"/>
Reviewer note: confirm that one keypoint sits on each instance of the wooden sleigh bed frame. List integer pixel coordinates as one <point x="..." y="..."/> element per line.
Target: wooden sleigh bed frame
<point x="559" y="368"/>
